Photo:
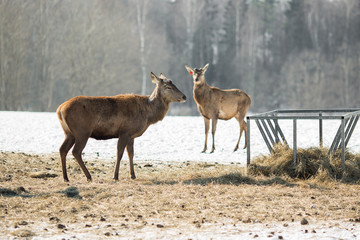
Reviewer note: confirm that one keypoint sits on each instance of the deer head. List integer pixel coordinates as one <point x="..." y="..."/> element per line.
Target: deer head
<point x="166" y="89"/>
<point x="197" y="73"/>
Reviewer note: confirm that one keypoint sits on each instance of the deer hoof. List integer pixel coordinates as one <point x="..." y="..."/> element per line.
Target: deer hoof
<point x="89" y="180"/>
<point x="133" y="177"/>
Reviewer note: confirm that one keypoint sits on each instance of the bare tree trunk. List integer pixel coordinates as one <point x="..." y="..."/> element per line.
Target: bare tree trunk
<point x="264" y="33"/>
<point x="252" y="48"/>
<point x="349" y="5"/>
<point x="141" y="21"/>
<point x="313" y="25"/>
<point x="192" y="13"/>
<point x="237" y="29"/>
<point x="45" y="81"/>
<point x="2" y="70"/>
<point x="358" y="68"/>
<point x="50" y="93"/>
<point x="2" y="59"/>
<point x="189" y="30"/>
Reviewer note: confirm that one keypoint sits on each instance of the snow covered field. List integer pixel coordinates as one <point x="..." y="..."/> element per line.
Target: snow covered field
<point x="173" y="139"/>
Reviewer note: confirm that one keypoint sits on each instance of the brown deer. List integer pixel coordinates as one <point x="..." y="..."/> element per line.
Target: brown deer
<point x="214" y="103"/>
<point x="123" y="116"/>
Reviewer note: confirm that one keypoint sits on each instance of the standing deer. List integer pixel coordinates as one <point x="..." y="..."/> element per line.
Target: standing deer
<point x="123" y="116"/>
<point x="214" y="103"/>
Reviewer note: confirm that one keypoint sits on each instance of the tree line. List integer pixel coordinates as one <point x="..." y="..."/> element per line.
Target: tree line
<point x="284" y="53"/>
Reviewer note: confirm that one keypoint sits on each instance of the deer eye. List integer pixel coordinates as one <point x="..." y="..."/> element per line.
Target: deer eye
<point x="167" y="87"/>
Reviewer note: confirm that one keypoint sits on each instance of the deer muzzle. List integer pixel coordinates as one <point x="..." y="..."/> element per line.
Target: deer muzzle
<point x="182" y="99"/>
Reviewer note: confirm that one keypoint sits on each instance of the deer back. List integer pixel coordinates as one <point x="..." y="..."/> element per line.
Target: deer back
<point x="106" y="117"/>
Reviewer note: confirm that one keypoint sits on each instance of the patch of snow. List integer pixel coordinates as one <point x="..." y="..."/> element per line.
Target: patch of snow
<point x="292" y="231"/>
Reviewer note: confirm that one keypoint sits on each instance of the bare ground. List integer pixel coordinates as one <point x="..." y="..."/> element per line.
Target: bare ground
<point x="167" y="200"/>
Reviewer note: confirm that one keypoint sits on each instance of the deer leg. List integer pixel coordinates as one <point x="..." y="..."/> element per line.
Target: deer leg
<point x="64" y="149"/>
<point x="130" y="151"/>
<point x="213" y="129"/>
<point x="244" y="128"/>
<point x="242" y="125"/>
<point x="122" y="142"/>
<point x="207" y="126"/>
<point x="77" y="151"/>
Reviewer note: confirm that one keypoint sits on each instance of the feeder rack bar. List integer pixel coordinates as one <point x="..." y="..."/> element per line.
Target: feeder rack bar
<point x="272" y="134"/>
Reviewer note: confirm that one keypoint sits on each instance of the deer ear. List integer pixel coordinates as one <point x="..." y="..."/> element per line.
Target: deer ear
<point x="189" y="69"/>
<point x="205" y="67"/>
<point x="161" y="76"/>
<point x="154" y="78"/>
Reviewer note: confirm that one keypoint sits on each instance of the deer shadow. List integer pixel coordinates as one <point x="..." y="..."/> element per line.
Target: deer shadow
<point x="230" y="179"/>
<point x="19" y="192"/>
<point x="71" y="192"/>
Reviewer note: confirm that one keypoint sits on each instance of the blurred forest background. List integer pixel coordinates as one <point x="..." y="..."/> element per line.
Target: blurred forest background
<point x="284" y="53"/>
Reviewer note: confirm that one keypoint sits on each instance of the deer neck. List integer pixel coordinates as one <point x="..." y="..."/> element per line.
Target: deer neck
<point x="158" y="107"/>
<point x="201" y="92"/>
<point x="203" y="85"/>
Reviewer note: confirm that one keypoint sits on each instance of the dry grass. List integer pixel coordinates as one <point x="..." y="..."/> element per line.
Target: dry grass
<point x="312" y="163"/>
<point x="184" y="196"/>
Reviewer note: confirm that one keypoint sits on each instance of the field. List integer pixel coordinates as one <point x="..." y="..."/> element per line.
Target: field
<point x="179" y="193"/>
<point x="186" y="200"/>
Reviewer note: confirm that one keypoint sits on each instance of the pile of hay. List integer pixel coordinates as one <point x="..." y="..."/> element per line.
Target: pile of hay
<point x="311" y="163"/>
